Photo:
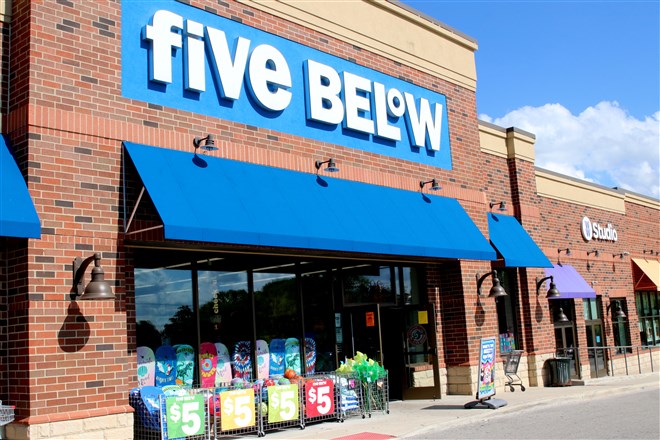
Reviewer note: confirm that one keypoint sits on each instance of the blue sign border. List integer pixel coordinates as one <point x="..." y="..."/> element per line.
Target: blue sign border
<point x="136" y="14"/>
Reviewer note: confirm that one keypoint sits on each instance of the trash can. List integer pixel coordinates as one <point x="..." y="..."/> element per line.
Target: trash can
<point x="560" y="371"/>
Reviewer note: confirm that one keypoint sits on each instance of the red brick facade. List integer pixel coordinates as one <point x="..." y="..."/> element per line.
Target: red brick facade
<point x="66" y="120"/>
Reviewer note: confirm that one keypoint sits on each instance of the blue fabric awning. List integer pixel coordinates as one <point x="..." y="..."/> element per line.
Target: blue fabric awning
<point x="18" y="217"/>
<point x="569" y="282"/>
<point x="217" y="200"/>
<point x="514" y="243"/>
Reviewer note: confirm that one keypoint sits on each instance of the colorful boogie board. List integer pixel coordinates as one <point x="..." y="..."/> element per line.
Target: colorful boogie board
<point x="223" y="368"/>
<point x="310" y="356"/>
<point x="242" y="364"/>
<point x="277" y="353"/>
<point x="263" y="359"/>
<point x="185" y="365"/>
<point x="146" y="372"/>
<point x="208" y="361"/>
<point x="165" y="366"/>
<point x="292" y="355"/>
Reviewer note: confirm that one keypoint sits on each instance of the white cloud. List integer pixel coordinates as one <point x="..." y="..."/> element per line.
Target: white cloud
<point x="603" y="144"/>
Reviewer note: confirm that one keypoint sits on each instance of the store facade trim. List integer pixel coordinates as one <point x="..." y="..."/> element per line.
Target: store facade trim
<point x="569" y="282"/>
<point x="647" y="274"/>
<point x="18" y="216"/>
<point x="208" y="199"/>
<point x="513" y="243"/>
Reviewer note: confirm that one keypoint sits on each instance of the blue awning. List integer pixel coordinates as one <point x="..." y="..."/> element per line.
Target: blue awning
<point x="217" y="200"/>
<point x="569" y="282"/>
<point x="18" y="217"/>
<point x="514" y="243"/>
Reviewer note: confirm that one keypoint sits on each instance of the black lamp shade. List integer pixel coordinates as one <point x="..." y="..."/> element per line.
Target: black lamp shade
<point x="552" y="291"/>
<point x="97" y="288"/>
<point x="497" y="290"/>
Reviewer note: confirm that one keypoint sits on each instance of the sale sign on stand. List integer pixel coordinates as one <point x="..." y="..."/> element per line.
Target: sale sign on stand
<point x="319" y="398"/>
<point x="283" y="404"/>
<point x="237" y="407"/>
<point x="185" y="416"/>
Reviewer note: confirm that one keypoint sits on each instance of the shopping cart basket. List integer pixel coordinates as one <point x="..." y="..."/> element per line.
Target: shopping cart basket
<point x="511" y="370"/>
<point x="6" y="417"/>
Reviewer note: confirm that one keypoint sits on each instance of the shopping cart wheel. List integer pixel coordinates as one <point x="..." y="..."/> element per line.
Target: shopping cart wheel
<point x="522" y="388"/>
<point x="512" y="388"/>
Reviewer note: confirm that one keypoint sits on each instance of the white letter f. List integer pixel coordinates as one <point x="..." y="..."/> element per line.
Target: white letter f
<point x="163" y="40"/>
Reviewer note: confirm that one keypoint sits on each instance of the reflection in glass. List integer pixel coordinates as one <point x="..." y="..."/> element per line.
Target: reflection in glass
<point x="164" y="307"/>
<point x="368" y="284"/>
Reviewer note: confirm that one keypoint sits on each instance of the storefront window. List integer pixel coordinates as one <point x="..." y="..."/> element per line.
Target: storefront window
<point x="368" y="284"/>
<point x="506" y="319"/>
<point x="649" y="317"/>
<point x="620" y="325"/>
<point x="164" y="307"/>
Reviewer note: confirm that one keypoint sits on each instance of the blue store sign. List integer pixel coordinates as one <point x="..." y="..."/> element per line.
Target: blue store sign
<point x="182" y="57"/>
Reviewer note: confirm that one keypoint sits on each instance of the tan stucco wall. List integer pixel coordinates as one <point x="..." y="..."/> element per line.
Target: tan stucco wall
<point x="392" y="30"/>
<point x="510" y="143"/>
<point x="5" y="11"/>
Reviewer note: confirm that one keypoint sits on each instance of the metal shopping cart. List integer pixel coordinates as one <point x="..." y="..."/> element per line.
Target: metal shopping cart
<point x="6" y="417"/>
<point x="511" y="370"/>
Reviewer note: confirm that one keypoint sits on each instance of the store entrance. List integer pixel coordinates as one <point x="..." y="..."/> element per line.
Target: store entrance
<point x="403" y="340"/>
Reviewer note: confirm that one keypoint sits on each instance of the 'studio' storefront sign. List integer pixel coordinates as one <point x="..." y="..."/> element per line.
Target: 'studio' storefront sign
<point x="592" y="230"/>
<point x="182" y="57"/>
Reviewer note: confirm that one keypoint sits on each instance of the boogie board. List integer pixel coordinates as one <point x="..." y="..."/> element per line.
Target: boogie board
<point x="146" y="362"/>
<point x="242" y="364"/>
<point x="185" y="365"/>
<point x="277" y="357"/>
<point x="310" y="355"/>
<point x="292" y="355"/>
<point x="263" y="359"/>
<point x="208" y="361"/>
<point x="165" y="366"/>
<point x="223" y="368"/>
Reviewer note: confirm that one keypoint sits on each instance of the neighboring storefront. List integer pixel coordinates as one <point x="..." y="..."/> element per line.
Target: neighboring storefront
<point x="251" y="177"/>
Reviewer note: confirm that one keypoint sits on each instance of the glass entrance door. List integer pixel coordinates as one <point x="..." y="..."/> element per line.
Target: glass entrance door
<point x="410" y="352"/>
<point x="597" y="362"/>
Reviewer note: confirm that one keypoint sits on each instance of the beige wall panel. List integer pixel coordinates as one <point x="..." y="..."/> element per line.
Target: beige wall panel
<point x="390" y="30"/>
<point x="506" y="142"/>
<point x="559" y="187"/>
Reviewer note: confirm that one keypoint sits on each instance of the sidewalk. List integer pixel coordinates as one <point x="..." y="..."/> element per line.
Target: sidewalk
<point x="411" y="417"/>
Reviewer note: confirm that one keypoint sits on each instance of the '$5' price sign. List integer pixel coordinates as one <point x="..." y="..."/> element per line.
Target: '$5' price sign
<point x="185" y="416"/>
<point x="237" y="409"/>
<point x="319" y="398"/>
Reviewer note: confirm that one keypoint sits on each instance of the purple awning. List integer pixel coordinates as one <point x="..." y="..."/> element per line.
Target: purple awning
<point x="569" y="282"/>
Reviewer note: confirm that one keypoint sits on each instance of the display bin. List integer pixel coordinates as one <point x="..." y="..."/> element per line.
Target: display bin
<point x="282" y="407"/>
<point x="6" y="417"/>
<point x="350" y="395"/>
<point x="376" y="395"/>
<point x="560" y="371"/>
<point x="236" y="410"/>
<point x="321" y="398"/>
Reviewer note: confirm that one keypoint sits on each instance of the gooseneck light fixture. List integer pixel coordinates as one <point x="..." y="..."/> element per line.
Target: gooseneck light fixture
<point x="567" y="251"/>
<point x="553" y="292"/>
<point x="621" y="255"/>
<point x="596" y="252"/>
<point x="209" y="143"/>
<point x="561" y="316"/>
<point x="501" y="205"/>
<point x="496" y="291"/>
<point x="330" y="168"/>
<point x="618" y="311"/>
<point x="435" y="186"/>
<point x="97" y="288"/>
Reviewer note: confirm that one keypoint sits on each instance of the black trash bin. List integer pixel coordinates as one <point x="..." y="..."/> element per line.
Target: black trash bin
<point x="560" y="371"/>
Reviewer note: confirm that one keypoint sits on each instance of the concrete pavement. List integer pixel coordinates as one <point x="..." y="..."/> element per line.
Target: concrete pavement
<point x="411" y="417"/>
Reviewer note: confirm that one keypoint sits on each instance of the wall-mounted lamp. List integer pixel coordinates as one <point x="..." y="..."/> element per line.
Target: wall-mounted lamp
<point x="561" y="316"/>
<point x="567" y="251"/>
<point x="209" y="143"/>
<point x="618" y="311"/>
<point x="552" y="291"/>
<point x="496" y="291"/>
<point x="330" y="168"/>
<point x="97" y="288"/>
<point x="621" y="255"/>
<point x="435" y="186"/>
<point x="501" y="205"/>
<point x="596" y="252"/>
<point x="649" y="251"/>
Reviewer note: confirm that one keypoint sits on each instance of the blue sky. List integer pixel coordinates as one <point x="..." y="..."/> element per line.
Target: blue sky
<point x="583" y="76"/>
